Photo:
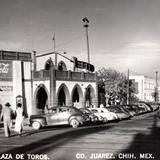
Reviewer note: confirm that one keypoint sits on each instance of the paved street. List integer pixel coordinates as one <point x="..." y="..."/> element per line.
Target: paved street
<point x="138" y="138"/>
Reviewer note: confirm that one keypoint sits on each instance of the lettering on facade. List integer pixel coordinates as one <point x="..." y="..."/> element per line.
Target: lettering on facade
<point x="6" y="88"/>
<point x="83" y="65"/>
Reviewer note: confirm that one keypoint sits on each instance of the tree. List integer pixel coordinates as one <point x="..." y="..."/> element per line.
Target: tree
<point x="115" y="86"/>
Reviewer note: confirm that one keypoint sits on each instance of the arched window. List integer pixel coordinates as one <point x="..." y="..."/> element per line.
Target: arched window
<point x="48" y="64"/>
<point x="62" y="66"/>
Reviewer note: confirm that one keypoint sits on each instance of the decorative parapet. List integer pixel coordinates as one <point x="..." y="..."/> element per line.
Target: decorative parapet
<point x="65" y="75"/>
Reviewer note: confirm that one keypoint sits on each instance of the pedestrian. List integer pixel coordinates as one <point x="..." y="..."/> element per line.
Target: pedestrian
<point x="0" y="108"/>
<point x="6" y="114"/>
<point x="19" y="119"/>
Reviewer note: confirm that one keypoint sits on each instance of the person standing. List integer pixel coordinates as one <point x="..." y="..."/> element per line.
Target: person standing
<point x="6" y="114"/>
<point x="0" y="108"/>
<point x="19" y="119"/>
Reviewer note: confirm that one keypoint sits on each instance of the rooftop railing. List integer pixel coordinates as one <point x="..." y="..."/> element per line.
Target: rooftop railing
<point x="64" y="75"/>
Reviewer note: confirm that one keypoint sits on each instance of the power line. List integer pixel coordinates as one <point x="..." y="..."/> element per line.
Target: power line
<point x="63" y="44"/>
<point x="70" y="41"/>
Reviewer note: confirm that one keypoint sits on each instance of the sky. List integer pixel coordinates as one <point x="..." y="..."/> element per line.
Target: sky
<point x="123" y="34"/>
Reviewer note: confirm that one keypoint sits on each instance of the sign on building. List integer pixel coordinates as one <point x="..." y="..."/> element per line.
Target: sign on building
<point x="83" y="65"/>
<point x="6" y="69"/>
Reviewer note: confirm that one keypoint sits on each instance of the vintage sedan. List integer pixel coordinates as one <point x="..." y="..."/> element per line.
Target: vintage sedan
<point x="121" y="115"/>
<point x="145" y="106"/>
<point x="65" y="115"/>
<point x="100" y="116"/>
<point x="109" y="115"/>
<point x="92" y="117"/>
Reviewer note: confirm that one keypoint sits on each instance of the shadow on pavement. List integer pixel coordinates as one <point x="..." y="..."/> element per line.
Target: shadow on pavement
<point x="144" y="146"/>
<point x="51" y="143"/>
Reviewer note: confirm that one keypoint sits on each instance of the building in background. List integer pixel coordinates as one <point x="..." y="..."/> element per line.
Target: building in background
<point x="146" y="87"/>
<point x="46" y="81"/>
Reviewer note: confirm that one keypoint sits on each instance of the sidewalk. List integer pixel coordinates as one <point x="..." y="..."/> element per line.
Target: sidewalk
<point x="25" y="124"/>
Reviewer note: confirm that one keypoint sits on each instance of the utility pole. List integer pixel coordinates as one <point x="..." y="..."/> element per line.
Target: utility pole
<point x="54" y="40"/>
<point x="156" y="89"/>
<point x="128" y="87"/>
<point x="86" y="25"/>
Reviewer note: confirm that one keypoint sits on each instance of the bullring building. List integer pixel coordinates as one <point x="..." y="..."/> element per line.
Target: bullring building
<point x="48" y="80"/>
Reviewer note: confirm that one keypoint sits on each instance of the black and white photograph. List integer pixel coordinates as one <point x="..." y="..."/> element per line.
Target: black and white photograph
<point x="79" y="79"/>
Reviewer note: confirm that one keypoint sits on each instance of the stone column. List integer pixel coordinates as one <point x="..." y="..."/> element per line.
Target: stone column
<point x="68" y="102"/>
<point x="53" y="101"/>
<point x="95" y="100"/>
<point x="82" y="102"/>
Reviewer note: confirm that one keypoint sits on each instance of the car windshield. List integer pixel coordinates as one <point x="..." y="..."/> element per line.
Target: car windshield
<point x="85" y="110"/>
<point x="94" y="111"/>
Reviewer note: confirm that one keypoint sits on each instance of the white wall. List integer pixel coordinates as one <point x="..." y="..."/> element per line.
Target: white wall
<point x="146" y="87"/>
<point x="140" y="81"/>
<point x="41" y="61"/>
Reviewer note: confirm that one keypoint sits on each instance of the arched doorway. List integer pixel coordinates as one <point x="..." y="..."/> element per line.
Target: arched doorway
<point x="89" y="96"/>
<point x="41" y="99"/>
<point x="61" y="97"/>
<point x="77" y="97"/>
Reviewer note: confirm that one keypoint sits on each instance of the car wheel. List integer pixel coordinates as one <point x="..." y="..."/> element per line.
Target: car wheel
<point x="36" y="125"/>
<point x="74" y="123"/>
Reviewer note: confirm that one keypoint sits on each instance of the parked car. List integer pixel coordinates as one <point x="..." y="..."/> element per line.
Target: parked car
<point x="137" y="109"/>
<point x="155" y="106"/>
<point x="129" y="109"/>
<point x="65" y="115"/>
<point x="98" y="114"/>
<point x="110" y="115"/>
<point x="107" y="116"/>
<point x="92" y="117"/>
<point x="121" y="115"/>
<point x="145" y="106"/>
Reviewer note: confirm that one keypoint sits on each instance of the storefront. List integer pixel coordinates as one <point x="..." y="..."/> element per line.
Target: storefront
<point x="43" y="81"/>
<point x="15" y="78"/>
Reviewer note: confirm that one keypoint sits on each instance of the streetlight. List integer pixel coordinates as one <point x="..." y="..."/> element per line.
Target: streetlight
<point x="86" y="25"/>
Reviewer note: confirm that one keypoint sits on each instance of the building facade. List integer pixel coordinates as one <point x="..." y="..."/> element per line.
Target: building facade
<point x="46" y="81"/>
<point x="15" y="79"/>
<point x="146" y="87"/>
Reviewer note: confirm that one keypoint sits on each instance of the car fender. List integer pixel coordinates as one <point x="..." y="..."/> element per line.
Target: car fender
<point x="77" y="117"/>
<point x="41" y="120"/>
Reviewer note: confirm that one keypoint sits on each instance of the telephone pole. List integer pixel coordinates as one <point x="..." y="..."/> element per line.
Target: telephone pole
<point x="128" y="87"/>
<point x="54" y="40"/>
<point x="156" y="89"/>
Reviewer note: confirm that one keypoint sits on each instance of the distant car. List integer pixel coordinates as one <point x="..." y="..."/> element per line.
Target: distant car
<point x="129" y="109"/>
<point x="92" y="117"/>
<point x="155" y="106"/>
<point x="58" y="116"/>
<point x="137" y="109"/>
<point x="98" y="114"/>
<point x="103" y="112"/>
<point x="110" y="115"/>
<point x="121" y="115"/>
<point x="145" y="106"/>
